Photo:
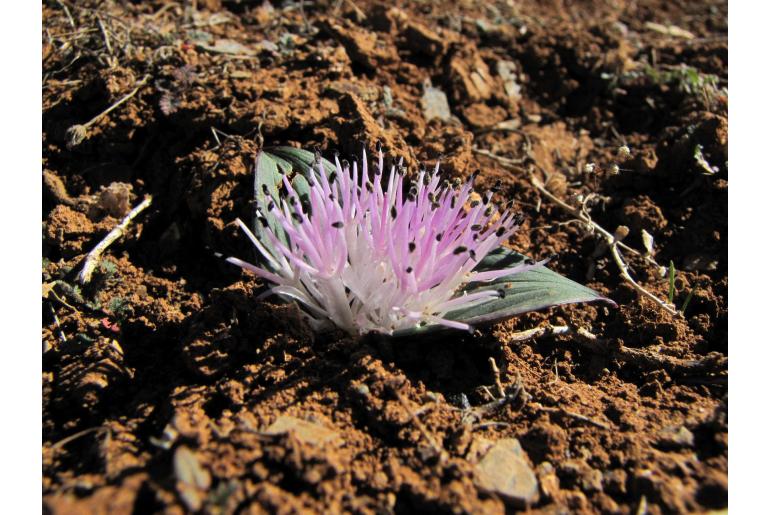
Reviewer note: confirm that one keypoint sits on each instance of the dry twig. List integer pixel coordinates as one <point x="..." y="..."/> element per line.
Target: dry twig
<point x="496" y="373"/>
<point x="537" y="332"/>
<point x="64" y="441"/>
<point x="635" y="285"/>
<point x="646" y="359"/>
<point x="77" y="133"/>
<point x="572" y="414"/>
<point x="93" y="257"/>
<point x="418" y="423"/>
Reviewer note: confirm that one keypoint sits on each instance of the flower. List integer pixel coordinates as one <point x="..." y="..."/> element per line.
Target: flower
<point x="372" y="259"/>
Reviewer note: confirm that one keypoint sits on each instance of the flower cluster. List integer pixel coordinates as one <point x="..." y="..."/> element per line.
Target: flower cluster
<point x="375" y="254"/>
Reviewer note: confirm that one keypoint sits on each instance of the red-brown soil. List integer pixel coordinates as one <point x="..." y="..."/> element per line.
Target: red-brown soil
<point x="167" y="386"/>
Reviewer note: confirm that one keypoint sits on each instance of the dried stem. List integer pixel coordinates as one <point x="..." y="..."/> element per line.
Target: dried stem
<point x="93" y="257"/>
<point x="64" y="441"/>
<point x="496" y="373"/>
<point x="67" y="12"/>
<point x="646" y="359"/>
<point x="572" y="414"/>
<point x="78" y="133"/>
<point x="417" y="422"/>
<point x="630" y="280"/>
<point x="537" y="332"/>
<point x="104" y="35"/>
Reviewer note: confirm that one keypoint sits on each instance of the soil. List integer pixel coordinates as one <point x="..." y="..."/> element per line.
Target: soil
<point x="168" y="387"/>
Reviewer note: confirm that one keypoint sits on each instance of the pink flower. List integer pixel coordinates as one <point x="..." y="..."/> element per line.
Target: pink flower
<point x="371" y="259"/>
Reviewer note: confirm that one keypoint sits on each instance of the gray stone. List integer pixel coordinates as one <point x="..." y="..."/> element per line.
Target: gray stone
<point x="505" y="470"/>
<point x="435" y="104"/>
<point x="307" y="432"/>
<point x="675" y="437"/>
<point x="507" y="71"/>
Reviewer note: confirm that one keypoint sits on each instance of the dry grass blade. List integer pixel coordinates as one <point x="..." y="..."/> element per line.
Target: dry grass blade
<point x="94" y="256"/>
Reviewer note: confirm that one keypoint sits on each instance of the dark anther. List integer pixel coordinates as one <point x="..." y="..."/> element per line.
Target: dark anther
<point x="263" y="221"/>
<point x="475" y="203"/>
<point x="439" y="236"/>
<point x="369" y="187"/>
<point x="337" y="225"/>
<point x="496" y="187"/>
<point x="393" y="212"/>
<point x="501" y="292"/>
<point x="459" y="250"/>
<point x="412" y="246"/>
<point x="452" y="203"/>
<point x="333" y="176"/>
<point x="472" y="254"/>
<point x="270" y="205"/>
<point x="488" y="211"/>
<point x="529" y="261"/>
<point x="476" y="227"/>
<point x="475" y="174"/>
<point x="475" y="237"/>
<point x="296" y="217"/>
<point x="500" y="231"/>
<point x="409" y="270"/>
<point x="378" y="145"/>
<point x="345" y="164"/>
<point x="265" y="190"/>
<point x="435" y="205"/>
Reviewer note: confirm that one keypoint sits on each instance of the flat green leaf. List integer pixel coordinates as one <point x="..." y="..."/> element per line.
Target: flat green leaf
<point x="527" y="291"/>
<point x="271" y="165"/>
<point x="301" y="186"/>
<point x="301" y="160"/>
<point x="266" y="173"/>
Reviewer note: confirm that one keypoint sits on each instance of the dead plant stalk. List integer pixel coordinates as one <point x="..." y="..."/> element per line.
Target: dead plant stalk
<point x="77" y="133"/>
<point x="93" y="257"/>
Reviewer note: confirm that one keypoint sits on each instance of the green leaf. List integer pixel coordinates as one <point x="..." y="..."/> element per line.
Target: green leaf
<point x="272" y="163"/>
<point x="526" y="291"/>
<point x="301" y="160"/>
<point x="301" y="186"/>
<point x="266" y="173"/>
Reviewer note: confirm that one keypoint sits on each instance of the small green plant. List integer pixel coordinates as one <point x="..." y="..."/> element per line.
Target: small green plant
<point x="107" y="268"/>
<point x="119" y="307"/>
<point x="687" y="80"/>
<point x="704" y="165"/>
<point x="671" y="282"/>
<point x="688" y="299"/>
